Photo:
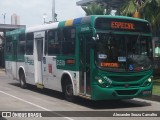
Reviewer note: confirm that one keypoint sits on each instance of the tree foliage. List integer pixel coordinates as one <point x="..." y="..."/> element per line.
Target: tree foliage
<point x="147" y="9"/>
<point x="94" y="9"/>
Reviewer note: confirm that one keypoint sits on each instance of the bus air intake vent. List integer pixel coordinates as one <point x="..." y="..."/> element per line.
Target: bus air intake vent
<point x="129" y="85"/>
<point x="125" y="78"/>
<point x="126" y="92"/>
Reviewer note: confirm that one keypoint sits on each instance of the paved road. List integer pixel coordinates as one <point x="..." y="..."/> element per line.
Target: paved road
<point x="13" y="98"/>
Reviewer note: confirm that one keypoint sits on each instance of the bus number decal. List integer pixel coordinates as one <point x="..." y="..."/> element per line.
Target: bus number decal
<point x="60" y="62"/>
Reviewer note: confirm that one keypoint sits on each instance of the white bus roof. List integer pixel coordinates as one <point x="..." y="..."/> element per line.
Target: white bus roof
<point x="42" y="27"/>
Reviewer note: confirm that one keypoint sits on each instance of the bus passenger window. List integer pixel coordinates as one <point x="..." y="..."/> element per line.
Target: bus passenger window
<point x="22" y="42"/>
<point x="9" y="45"/>
<point x="157" y="50"/>
<point x="68" y="41"/>
<point x="54" y="42"/>
<point x="29" y="44"/>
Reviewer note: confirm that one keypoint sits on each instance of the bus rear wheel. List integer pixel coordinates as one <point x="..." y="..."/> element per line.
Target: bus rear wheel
<point x="22" y="80"/>
<point x="69" y="92"/>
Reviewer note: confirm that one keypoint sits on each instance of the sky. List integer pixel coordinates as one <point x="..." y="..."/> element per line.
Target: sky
<point x="31" y="11"/>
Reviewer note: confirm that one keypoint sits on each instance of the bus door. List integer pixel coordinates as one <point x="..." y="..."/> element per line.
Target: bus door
<point x="14" y="63"/>
<point x="84" y="60"/>
<point x="38" y="57"/>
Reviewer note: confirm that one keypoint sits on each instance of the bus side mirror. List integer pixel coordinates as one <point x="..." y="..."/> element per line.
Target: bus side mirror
<point x="94" y="41"/>
<point x="96" y="38"/>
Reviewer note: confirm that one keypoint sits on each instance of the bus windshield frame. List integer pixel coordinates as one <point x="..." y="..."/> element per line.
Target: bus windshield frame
<point x="123" y="52"/>
<point x="123" y="45"/>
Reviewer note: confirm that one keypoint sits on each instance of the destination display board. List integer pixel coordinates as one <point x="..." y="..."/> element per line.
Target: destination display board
<point x="117" y="24"/>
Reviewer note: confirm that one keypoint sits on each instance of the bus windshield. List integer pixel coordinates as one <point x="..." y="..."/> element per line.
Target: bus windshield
<point x="121" y="53"/>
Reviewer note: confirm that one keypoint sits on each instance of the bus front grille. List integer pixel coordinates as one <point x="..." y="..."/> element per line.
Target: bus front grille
<point x="129" y="85"/>
<point x="126" y="92"/>
<point x="125" y="78"/>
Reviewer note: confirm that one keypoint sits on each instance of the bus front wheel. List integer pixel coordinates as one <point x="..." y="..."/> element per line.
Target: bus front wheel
<point x="22" y="80"/>
<point x="69" y="92"/>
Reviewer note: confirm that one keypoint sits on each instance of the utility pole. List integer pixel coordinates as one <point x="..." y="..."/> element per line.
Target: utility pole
<point x="4" y="17"/>
<point x="53" y="11"/>
<point x="44" y="17"/>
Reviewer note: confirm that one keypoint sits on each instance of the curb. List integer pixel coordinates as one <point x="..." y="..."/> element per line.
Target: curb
<point x="153" y="98"/>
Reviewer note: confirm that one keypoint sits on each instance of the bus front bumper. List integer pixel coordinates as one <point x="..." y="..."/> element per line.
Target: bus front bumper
<point x="99" y="93"/>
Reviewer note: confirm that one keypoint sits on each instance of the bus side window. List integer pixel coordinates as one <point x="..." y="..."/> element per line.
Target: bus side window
<point x="68" y="41"/>
<point x="54" y="45"/>
<point x="8" y="44"/>
<point x="157" y="50"/>
<point x="22" y="42"/>
<point x="29" y="43"/>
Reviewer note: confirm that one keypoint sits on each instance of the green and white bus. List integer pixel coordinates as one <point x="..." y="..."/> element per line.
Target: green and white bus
<point x="96" y="57"/>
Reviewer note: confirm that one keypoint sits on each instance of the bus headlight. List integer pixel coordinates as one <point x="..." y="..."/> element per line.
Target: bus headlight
<point x="149" y="80"/>
<point x="103" y="83"/>
<point x="100" y="81"/>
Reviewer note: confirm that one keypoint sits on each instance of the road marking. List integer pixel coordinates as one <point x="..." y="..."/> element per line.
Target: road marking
<point x="35" y="105"/>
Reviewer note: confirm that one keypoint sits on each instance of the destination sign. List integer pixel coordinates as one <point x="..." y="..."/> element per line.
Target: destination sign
<point x="106" y="64"/>
<point x="122" y="25"/>
<point x="119" y="24"/>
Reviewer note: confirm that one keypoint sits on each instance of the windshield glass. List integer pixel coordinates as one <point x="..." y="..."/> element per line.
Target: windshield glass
<point x="123" y="53"/>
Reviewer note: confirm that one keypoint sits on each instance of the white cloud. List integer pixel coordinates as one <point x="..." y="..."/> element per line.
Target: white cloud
<point x="31" y="11"/>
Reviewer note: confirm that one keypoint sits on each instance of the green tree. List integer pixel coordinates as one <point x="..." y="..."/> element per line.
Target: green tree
<point x="151" y="12"/>
<point x="145" y="9"/>
<point x="94" y="9"/>
<point x="128" y="8"/>
<point x="131" y="8"/>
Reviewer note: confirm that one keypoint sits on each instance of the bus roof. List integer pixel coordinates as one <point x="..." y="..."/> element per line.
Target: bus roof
<point x="42" y="27"/>
<point x="71" y="22"/>
<point x="81" y="20"/>
<point x="17" y="31"/>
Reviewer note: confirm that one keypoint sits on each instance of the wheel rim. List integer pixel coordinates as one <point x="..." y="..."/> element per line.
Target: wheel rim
<point x="22" y="82"/>
<point x="69" y="90"/>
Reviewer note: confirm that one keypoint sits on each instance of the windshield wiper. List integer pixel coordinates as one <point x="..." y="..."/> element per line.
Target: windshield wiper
<point x="138" y="38"/>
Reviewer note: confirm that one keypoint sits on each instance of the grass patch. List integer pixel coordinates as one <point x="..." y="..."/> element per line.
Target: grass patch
<point x="156" y="88"/>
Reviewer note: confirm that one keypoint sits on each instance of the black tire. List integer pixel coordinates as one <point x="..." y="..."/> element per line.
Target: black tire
<point x="68" y="91"/>
<point x="22" y="80"/>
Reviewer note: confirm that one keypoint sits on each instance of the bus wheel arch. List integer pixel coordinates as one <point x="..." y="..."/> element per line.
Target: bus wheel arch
<point x="22" y="78"/>
<point x="67" y="87"/>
